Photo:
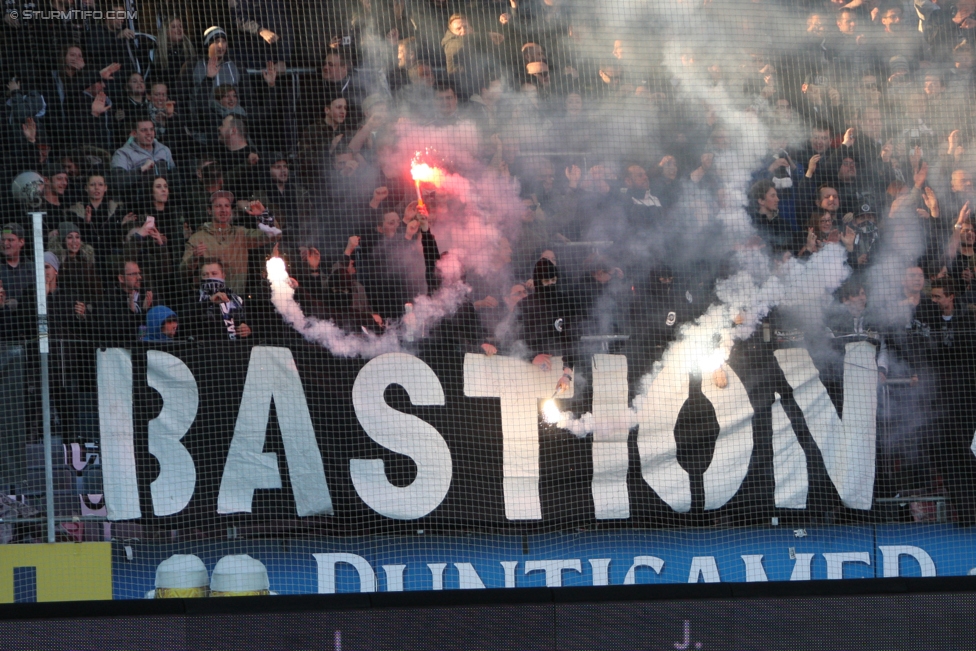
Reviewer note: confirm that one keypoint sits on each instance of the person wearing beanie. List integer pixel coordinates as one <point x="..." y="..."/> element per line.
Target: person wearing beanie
<point x="51" y="260"/>
<point x="215" y="69"/>
<point x="550" y="322"/>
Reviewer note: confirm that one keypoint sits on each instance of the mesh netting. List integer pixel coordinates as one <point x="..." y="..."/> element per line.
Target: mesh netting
<point x="420" y="294"/>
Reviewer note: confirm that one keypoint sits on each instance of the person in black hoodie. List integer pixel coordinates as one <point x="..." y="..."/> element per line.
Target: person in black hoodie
<point x="458" y="333"/>
<point x="550" y="322"/>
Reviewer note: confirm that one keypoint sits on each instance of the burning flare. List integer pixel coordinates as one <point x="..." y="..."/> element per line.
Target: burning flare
<point x="276" y="270"/>
<point x="551" y="412"/>
<point x="424" y="173"/>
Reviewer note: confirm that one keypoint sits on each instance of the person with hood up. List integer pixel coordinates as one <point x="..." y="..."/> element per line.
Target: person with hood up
<point x="550" y="322"/>
<point x="161" y="325"/>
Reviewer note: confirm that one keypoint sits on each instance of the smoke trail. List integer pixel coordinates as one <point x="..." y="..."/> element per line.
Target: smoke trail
<point x="704" y="345"/>
<point x="427" y="312"/>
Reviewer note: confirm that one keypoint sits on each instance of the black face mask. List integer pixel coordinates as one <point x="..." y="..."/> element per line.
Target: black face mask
<point x="545" y="289"/>
<point x="212" y="286"/>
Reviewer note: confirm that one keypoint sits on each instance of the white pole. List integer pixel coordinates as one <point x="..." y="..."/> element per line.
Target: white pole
<point x="44" y="346"/>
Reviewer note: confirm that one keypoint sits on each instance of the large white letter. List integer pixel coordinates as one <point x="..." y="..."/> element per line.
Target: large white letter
<point x="611" y="420"/>
<point x="652" y="562"/>
<point x="402" y="433"/>
<point x="789" y="462"/>
<point x="173" y="488"/>
<point x="468" y="578"/>
<point x="703" y="567"/>
<point x="755" y="571"/>
<point x="327" y="569"/>
<point x="657" y="415"/>
<point x="520" y="385"/>
<point x="801" y="568"/>
<point x="733" y="447"/>
<point x="892" y="553"/>
<point x="116" y="429"/>
<point x="271" y="374"/>
<point x="836" y="560"/>
<point x="554" y="569"/>
<point x="848" y="445"/>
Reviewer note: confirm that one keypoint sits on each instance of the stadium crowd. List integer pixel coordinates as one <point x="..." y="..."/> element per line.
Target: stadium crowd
<point x="168" y="180"/>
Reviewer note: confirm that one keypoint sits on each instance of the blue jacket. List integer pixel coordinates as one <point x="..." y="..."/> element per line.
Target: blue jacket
<point x="154" y="323"/>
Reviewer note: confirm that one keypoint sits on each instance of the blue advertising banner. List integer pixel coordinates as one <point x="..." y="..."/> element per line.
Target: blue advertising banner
<point x="426" y="562"/>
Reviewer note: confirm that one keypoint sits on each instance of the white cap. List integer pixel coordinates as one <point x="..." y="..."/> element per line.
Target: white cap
<point x="239" y="573"/>
<point x="182" y="571"/>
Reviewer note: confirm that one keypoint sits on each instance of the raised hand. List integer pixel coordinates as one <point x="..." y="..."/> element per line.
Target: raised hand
<point x="847" y="238"/>
<point x="574" y="174"/>
<point x="213" y="66"/>
<point x="379" y="195"/>
<point x="312" y="256"/>
<point x="29" y="127"/>
<point x="850" y="136"/>
<point x="108" y="71"/>
<point x="270" y="74"/>
<point x="965" y="214"/>
<point x="812" y="165"/>
<point x="921" y="174"/>
<point x="931" y="202"/>
<point x="99" y="105"/>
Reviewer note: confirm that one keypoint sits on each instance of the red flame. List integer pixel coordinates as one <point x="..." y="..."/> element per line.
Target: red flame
<point x="424" y="173"/>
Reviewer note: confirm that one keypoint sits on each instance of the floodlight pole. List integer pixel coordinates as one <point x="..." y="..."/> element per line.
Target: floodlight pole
<point x="44" y="346"/>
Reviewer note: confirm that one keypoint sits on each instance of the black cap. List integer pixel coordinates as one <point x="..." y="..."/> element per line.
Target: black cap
<point x="866" y="209"/>
<point x="14" y="228"/>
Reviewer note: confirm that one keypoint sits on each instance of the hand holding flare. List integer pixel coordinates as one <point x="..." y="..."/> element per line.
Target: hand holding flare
<point x="424" y="173"/>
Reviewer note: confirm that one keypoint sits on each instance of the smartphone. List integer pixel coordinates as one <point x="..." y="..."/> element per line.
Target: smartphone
<point x="150" y="222"/>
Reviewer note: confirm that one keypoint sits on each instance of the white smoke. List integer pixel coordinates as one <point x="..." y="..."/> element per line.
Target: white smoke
<point x="427" y="312"/>
<point x="703" y="345"/>
<point x="477" y="210"/>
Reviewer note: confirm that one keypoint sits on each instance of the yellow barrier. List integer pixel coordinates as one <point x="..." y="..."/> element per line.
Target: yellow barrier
<point x="58" y="572"/>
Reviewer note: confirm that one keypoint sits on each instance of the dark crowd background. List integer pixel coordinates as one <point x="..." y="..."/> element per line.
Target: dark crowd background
<point x="607" y="165"/>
